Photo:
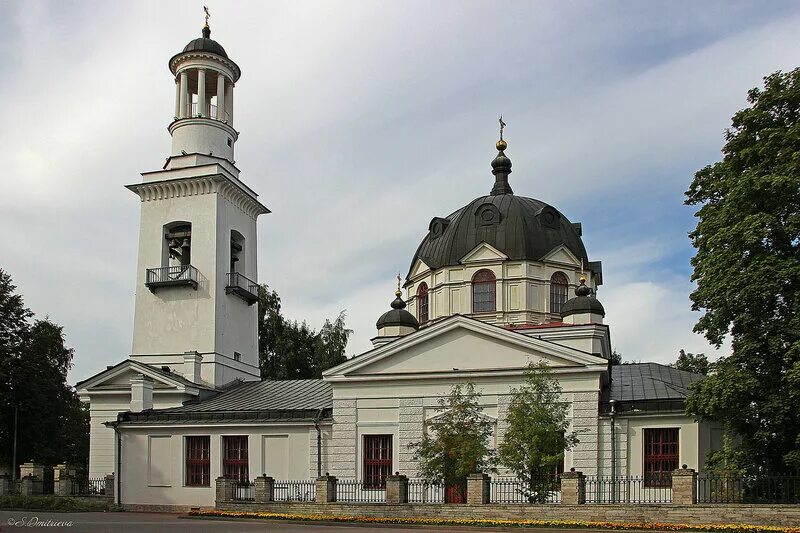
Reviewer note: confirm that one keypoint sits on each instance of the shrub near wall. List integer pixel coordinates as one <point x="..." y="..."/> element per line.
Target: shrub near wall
<point x="54" y="503"/>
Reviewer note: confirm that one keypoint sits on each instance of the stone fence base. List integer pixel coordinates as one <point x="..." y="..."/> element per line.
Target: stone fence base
<point x="777" y="515"/>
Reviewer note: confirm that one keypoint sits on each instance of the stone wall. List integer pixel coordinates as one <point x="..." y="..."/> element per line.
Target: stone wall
<point x="779" y="515"/>
<point x="411" y="424"/>
<point x="585" y="421"/>
<point x="343" y="442"/>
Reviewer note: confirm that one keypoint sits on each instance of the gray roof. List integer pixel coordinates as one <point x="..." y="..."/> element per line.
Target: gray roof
<point x="520" y="227"/>
<point x="290" y="400"/>
<point x="649" y="381"/>
<point x="289" y="395"/>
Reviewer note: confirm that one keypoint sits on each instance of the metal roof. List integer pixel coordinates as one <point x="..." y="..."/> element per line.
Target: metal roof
<point x="520" y="227"/>
<point x="649" y="381"/>
<point x="293" y="395"/>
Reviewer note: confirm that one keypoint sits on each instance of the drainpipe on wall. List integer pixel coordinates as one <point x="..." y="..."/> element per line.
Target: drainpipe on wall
<point x="319" y="442"/>
<point x="118" y="477"/>
<point x="613" y="404"/>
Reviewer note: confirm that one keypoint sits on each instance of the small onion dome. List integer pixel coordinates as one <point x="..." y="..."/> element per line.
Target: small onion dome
<point x="583" y="302"/>
<point x="397" y="315"/>
<point x="501" y="168"/>
<point x="206" y="44"/>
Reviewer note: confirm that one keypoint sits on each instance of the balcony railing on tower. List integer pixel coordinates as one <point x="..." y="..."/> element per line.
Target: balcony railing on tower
<point x="243" y="287"/>
<point x="211" y="113"/>
<point x="172" y="276"/>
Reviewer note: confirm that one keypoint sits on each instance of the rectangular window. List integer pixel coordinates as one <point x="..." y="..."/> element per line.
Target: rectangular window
<point x="234" y="459"/>
<point x="377" y="460"/>
<point x="198" y="461"/>
<point x="660" y="456"/>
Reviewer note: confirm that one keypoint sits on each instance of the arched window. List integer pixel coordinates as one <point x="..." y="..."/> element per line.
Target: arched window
<point x="483" y="292"/>
<point x="237" y="252"/>
<point x="559" y="286"/>
<point x="422" y="303"/>
<point x="177" y="244"/>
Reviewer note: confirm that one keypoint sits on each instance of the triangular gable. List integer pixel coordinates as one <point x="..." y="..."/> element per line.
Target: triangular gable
<point x="418" y="268"/>
<point x="561" y="254"/>
<point x="483" y="252"/>
<point x="460" y="344"/>
<point x="119" y="375"/>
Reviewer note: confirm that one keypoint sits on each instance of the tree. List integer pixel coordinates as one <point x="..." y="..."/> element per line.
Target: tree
<point x="292" y="350"/>
<point x="41" y="417"/>
<point x="457" y="441"/>
<point x="616" y="358"/>
<point x="697" y="363"/>
<point x="748" y="275"/>
<point x="537" y="433"/>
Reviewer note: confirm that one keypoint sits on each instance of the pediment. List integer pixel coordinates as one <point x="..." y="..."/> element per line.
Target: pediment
<point x="562" y="254"/>
<point x="419" y="268"/>
<point x="120" y="375"/>
<point x="461" y="344"/>
<point x="483" y="252"/>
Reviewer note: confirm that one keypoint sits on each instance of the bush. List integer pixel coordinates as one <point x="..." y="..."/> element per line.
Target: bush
<point x="55" y="503"/>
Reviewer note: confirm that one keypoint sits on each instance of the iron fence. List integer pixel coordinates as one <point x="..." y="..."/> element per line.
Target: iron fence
<point x="89" y="487"/>
<point x="294" y="490"/>
<point x="629" y="489"/>
<point x="48" y="487"/>
<point x="541" y="489"/>
<point x="420" y="491"/>
<point x="355" y="491"/>
<point x="244" y="491"/>
<point x="722" y="488"/>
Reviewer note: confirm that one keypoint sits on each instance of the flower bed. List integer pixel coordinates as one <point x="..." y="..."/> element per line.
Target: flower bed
<point x="485" y="522"/>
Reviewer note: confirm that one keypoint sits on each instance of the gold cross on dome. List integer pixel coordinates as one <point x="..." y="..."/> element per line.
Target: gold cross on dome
<point x="502" y="125"/>
<point x="205" y="8"/>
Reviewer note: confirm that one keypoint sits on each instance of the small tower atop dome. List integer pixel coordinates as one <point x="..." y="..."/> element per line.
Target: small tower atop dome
<point x="395" y="323"/>
<point x="501" y="166"/>
<point x="204" y="80"/>
<point x="584" y="308"/>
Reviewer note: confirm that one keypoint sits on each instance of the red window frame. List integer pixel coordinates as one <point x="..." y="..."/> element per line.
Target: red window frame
<point x="422" y="303"/>
<point x="198" y="461"/>
<point x="484" y="292"/>
<point x="377" y="460"/>
<point x="234" y="458"/>
<point x="559" y="289"/>
<point x="661" y="456"/>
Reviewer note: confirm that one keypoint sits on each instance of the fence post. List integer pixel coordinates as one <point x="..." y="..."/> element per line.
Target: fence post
<point x="684" y="486"/>
<point x="224" y="489"/>
<point x="30" y="486"/>
<point x="573" y="488"/>
<point x="478" y="488"/>
<point x="5" y="484"/>
<point x="265" y="489"/>
<point x="63" y="485"/>
<point x="326" y="489"/>
<point x="109" y="487"/>
<point x="397" y="488"/>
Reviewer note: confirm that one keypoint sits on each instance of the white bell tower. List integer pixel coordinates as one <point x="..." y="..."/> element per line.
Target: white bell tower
<point x="196" y="288"/>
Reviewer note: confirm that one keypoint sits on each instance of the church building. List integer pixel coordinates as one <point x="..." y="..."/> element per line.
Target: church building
<point x="495" y="285"/>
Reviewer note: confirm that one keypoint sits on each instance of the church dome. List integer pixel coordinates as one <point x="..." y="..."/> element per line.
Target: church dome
<point x="519" y="227"/>
<point x="205" y="44"/>
<point x="397" y="315"/>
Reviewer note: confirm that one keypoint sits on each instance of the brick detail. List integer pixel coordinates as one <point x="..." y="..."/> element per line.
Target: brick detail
<point x="585" y="422"/>
<point x="684" y="486"/>
<point x="411" y="424"/>
<point x="264" y="487"/>
<point x="343" y="441"/>
<point x="224" y="489"/>
<point x="573" y="488"/>
<point x="326" y="489"/>
<point x="397" y="489"/>
<point x="478" y="489"/>
<point x="111" y="486"/>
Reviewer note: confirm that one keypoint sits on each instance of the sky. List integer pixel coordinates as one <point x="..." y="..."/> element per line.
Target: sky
<point x="361" y="121"/>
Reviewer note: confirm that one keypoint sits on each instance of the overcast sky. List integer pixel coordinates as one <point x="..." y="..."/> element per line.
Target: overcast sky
<point x="360" y="121"/>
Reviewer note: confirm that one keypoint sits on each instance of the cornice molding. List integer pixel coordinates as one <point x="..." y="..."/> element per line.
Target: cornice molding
<point x="197" y="186"/>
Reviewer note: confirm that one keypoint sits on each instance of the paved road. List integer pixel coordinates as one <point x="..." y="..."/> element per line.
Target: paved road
<point x="11" y="521"/>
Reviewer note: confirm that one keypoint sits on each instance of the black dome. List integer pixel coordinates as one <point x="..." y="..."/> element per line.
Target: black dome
<point x="522" y="228"/>
<point x="397" y="315"/>
<point x="583" y="302"/>
<point x="203" y="44"/>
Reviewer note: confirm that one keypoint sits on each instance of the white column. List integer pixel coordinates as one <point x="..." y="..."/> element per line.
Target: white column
<point x="201" y="92"/>
<point x="177" y="98"/>
<point x="184" y="95"/>
<point x="229" y="103"/>
<point x="220" y="97"/>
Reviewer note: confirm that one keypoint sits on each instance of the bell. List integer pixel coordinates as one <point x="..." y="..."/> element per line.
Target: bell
<point x="173" y="243"/>
<point x="185" y="243"/>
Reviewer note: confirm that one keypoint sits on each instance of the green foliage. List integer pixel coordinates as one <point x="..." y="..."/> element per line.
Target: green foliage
<point x="696" y="363"/>
<point x="52" y="423"/>
<point x="457" y="441"/>
<point x="537" y="435"/>
<point x="616" y="358"/>
<point x="55" y="503"/>
<point x="748" y="275"/>
<point x="288" y="350"/>
<point x="730" y="460"/>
